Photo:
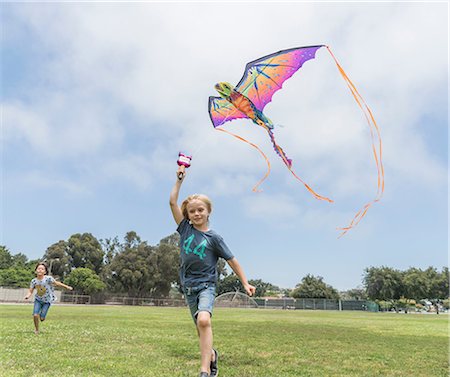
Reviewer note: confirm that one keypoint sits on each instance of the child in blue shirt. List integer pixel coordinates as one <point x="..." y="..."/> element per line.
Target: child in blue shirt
<point x="200" y="249"/>
<point x="45" y="293"/>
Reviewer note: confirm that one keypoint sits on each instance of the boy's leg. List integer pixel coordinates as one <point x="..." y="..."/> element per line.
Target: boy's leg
<point x="206" y="339"/>
<point x="36" y="324"/>
<point x="36" y="311"/>
<point x="44" y="310"/>
<point x="204" y="328"/>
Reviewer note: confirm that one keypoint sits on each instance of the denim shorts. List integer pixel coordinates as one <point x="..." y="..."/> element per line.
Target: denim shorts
<point x="200" y="298"/>
<point x="41" y="308"/>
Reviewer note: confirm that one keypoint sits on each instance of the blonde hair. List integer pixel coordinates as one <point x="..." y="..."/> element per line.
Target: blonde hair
<point x="190" y="198"/>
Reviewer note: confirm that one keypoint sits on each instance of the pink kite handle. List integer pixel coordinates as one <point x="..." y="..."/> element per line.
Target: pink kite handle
<point x="184" y="161"/>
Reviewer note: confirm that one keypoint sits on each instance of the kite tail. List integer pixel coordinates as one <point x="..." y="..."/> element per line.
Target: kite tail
<point x="255" y="188"/>
<point x="376" y="147"/>
<point x="288" y="163"/>
<point x="279" y="150"/>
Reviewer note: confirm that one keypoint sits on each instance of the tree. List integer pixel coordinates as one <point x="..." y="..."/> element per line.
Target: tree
<point x="230" y="283"/>
<point x="133" y="270"/>
<point x="5" y="258"/>
<point x="19" y="260"/>
<point x="132" y="240"/>
<point x="383" y="283"/>
<point x="354" y="294"/>
<point x="165" y="257"/>
<point x="443" y="284"/>
<point x="263" y="288"/>
<point x="173" y="240"/>
<point x="85" y="251"/>
<point x="111" y="246"/>
<point x="57" y="257"/>
<point x="18" y="277"/>
<point x="221" y="269"/>
<point x="415" y="284"/>
<point x="314" y="287"/>
<point x="85" y="281"/>
<point x="15" y="270"/>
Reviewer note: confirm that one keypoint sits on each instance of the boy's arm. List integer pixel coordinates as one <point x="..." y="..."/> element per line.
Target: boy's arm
<point x="236" y="267"/>
<point x="30" y="292"/>
<point x="59" y="284"/>
<point x="175" y="208"/>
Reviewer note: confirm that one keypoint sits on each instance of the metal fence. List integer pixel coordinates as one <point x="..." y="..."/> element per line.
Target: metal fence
<point x="143" y="301"/>
<point x="18" y="294"/>
<point x="316" y="304"/>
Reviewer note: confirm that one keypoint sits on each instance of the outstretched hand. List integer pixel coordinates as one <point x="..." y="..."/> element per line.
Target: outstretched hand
<point x="250" y="289"/>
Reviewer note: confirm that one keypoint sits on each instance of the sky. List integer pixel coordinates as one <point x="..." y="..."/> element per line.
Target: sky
<point x="99" y="98"/>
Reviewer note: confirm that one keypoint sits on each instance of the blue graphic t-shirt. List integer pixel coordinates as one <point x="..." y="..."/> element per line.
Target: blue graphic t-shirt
<point x="199" y="253"/>
<point x="45" y="291"/>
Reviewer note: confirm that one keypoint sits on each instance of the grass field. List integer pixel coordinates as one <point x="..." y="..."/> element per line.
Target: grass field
<point x="149" y="341"/>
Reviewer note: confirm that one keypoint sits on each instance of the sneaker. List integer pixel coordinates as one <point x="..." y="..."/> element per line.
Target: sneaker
<point x="213" y="367"/>
<point x="203" y="374"/>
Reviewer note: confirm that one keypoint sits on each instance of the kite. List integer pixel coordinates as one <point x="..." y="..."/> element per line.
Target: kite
<point x="261" y="79"/>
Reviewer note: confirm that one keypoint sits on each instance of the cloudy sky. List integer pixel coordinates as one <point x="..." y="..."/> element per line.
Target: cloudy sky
<point x="99" y="98"/>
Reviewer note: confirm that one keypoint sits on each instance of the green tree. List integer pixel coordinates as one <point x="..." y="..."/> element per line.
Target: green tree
<point x="173" y="240"/>
<point x="6" y="260"/>
<point x="314" y="287"/>
<point x="443" y="284"/>
<point x="133" y="270"/>
<point x="85" y="251"/>
<point x="19" y="260"/>
<point x="111" y="246"/>
<point x="354" y="294"/>
<point x="18" y="277"/>
<point x="230" y="283"/>
<point x="58" y="259"/>
<point x="383" y="283"/>
<point x="165" y="257"/>
<point x="263" y="288"/>
<point x="85" y="281"/>
<point x="415" y="284"/>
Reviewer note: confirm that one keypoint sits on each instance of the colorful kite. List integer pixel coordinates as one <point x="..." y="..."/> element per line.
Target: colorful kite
<point x="261" y="79"/>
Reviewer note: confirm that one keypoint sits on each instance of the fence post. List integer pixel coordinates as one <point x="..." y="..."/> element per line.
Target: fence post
<point x="340" y="305"/>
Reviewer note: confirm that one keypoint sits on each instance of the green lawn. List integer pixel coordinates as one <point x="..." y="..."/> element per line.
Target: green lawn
<point x="147" y="341"/>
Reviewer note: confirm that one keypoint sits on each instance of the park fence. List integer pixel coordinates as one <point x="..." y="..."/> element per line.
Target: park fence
<point x="226" y="300"/>
<point x="316" y="304"/>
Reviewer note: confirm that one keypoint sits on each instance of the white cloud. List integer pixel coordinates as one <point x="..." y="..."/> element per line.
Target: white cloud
<point x="146" y="59"/>
<point x="277" y="209"/>
<point x="39" y="179"/>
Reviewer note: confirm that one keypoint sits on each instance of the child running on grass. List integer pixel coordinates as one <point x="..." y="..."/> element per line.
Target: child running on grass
<point x="200" y="249"/>
<point x="45" y="294"/>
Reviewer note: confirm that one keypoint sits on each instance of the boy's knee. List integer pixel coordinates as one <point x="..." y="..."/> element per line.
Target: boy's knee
<point x="35" y="315"/>
<point x="203" y="319"/>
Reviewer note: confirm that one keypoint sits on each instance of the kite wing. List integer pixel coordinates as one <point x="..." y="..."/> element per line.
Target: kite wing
<point x="264" y="76"/>
<point x="221" y="111"/>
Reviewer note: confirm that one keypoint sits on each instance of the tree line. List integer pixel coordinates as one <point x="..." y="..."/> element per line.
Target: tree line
<point x="134" y="268"/>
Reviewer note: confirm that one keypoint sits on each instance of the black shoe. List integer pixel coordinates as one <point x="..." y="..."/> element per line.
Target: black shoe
<point x="203" y="374"/>
<point x="213" y="367"/>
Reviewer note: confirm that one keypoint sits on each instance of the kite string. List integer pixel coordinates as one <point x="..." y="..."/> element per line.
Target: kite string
<point x="377" y="152"/>
<point x="255" y="188"/>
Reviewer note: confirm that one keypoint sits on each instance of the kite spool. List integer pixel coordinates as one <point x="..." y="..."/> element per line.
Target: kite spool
<point x="184" y="161"/>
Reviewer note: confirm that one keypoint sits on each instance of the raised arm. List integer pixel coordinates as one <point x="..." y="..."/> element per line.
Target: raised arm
<point x="59" y="284"/>
<point x="236" y="267"/>
<point x="175" y="208"/>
